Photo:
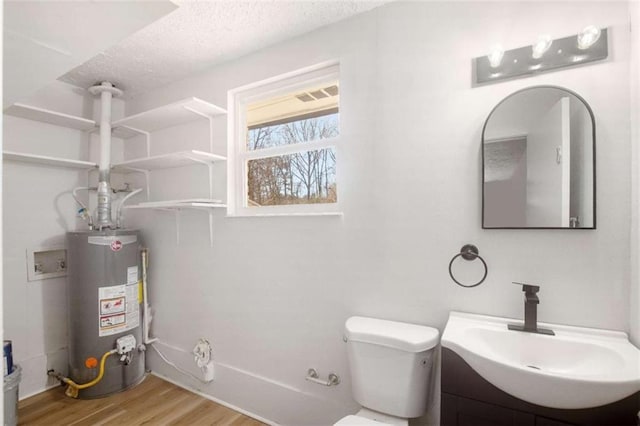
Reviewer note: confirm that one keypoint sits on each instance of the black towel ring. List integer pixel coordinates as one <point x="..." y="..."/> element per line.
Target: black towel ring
<point x="469" y="252"/>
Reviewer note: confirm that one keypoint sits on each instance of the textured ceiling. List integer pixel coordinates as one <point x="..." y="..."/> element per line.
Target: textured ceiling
<point x="200" y="34"/>
<point x="43" y="39"/>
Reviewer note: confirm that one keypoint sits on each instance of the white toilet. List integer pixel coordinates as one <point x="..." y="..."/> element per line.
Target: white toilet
<point x="391" y="367"/>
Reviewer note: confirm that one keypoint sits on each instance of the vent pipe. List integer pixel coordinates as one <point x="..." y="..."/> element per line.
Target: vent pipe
<point x="106" y="92"/>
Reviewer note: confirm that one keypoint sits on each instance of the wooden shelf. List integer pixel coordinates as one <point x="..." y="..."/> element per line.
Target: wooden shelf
<point x="170" y="115"/>
<point x="165" y="161"/>
<point x="51" y="117"/>
<point x="178" y="205"/>
<point x="49" y="161"/>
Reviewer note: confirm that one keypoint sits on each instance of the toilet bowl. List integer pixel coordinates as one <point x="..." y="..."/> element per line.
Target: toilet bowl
<point x="390" y="364"/>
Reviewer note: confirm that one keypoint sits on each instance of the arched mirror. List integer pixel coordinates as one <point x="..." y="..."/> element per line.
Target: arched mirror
<point x="539" y="161"/>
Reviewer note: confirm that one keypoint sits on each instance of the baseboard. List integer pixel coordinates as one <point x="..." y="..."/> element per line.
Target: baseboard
<point x="216" y="400"/>
<point x="34" y="379"/>
<point x="39" y="391"/>
<point x="272" y="401"/>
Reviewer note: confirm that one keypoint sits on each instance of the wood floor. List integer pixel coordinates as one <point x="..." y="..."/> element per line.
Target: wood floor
<point x="152" y="402"/>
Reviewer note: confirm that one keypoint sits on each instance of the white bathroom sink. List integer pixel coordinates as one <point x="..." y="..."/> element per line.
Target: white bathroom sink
<point x="576" y="368"/>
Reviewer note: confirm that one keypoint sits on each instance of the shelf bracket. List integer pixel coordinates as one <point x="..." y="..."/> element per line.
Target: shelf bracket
<point x="208" y="117"/>
<point x="210" y="167"/>
<point x="177" y="216"/>
<point x="142" y="132"/>
<point x="211" y="228"/>
<point x="148" y="142"/>
<point x="176" y="213"/>
<point x="210" y="134"/>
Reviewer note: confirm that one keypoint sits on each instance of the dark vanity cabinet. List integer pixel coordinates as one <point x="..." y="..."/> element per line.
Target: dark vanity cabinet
<point x="469" y="400"/>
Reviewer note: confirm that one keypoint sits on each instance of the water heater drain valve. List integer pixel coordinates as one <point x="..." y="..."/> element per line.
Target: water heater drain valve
<point x="125" y="345"/>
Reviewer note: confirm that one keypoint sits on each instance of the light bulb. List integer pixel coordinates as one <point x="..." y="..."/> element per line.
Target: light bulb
<point x="495" y="56"/>
<point x="541" y="46"/>
<point x="588" y="36"/>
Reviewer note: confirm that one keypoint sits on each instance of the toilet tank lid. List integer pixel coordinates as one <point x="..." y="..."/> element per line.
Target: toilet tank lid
<point x="398" y="335"/>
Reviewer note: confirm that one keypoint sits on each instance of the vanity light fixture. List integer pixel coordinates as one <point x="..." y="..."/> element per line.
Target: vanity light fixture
<point x="495" y="56"/>
<point x="588" y="36"/>
<point x="541" y="46"/>
<point x="588" y="46"/>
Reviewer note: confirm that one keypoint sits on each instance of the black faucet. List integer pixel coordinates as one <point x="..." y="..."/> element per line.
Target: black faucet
<point x="531" y="302"/>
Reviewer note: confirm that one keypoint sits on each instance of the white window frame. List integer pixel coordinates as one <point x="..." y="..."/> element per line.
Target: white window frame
<point x="238" y="155"/>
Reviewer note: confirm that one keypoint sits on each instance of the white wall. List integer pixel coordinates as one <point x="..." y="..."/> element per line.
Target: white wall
<point x="518" y="115"/>
<point x="273" y="293"/>
<point x="634" y="318"/>
<point x="581" y="160"/>
<point x="547" y="181"/>
<point x="38" y="209"/>
<point x="505" y="196"/>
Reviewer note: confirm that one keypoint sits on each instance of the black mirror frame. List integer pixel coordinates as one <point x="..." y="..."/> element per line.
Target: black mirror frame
<point x="593" y="129"/>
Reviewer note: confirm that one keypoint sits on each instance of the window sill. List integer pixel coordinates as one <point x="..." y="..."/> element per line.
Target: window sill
<point x="242" y="215"/>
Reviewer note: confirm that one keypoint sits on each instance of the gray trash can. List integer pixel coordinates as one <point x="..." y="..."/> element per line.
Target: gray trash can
<point x="11" y="382"/>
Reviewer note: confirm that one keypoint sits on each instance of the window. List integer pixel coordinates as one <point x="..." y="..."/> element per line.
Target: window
<point x="282" y="144"/>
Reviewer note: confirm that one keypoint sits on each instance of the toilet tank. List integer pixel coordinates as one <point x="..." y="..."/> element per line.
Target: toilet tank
<point x="391" y="364"/>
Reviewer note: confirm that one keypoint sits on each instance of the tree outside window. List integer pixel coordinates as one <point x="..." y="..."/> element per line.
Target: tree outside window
<point x="300" y="178"/>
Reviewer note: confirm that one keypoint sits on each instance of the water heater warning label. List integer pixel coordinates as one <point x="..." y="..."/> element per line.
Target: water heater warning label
<point x="118" y="309"/>
<point x="111" y="321"/>
<point x="112" y="306"/>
